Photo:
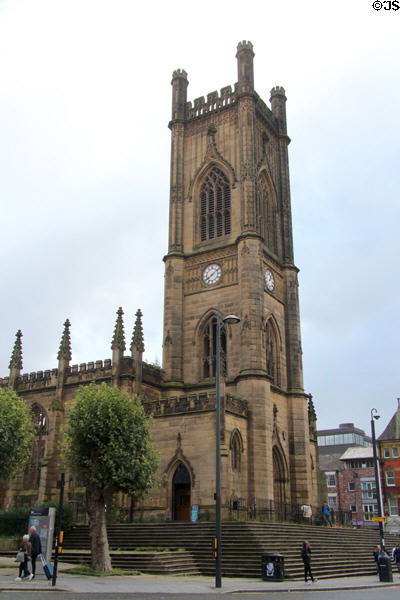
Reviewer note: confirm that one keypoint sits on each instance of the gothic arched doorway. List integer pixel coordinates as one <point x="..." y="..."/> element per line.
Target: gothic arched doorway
<point x="279" y="482"/>
<point x="181" y="494"/>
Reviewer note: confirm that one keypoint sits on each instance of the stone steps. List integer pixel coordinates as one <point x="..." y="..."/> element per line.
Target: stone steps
<point x="337" y="552"/>
<point x="163" y="563"/>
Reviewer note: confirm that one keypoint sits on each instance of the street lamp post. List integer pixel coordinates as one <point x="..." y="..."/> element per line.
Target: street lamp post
<point x="230" y="319"/>
<point x="375" y="416"/>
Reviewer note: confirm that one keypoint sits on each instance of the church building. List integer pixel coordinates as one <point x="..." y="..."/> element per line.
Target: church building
<point x="230" y="252"/>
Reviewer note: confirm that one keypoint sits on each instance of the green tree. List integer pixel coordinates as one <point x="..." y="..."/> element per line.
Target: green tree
<point x="109" y="449"/>
<point x="16" y="433"/>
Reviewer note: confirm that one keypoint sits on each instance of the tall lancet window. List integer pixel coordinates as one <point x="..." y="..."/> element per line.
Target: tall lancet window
<point x="272" y="355"/>
<point x="267" y="216"/>
<point x="215" y="206"/>
<point x="210" y="348"/>
<point x="34" y="466"/>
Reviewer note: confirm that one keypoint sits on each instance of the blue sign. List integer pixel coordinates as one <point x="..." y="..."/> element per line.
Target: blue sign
<point x="194" y="513"/>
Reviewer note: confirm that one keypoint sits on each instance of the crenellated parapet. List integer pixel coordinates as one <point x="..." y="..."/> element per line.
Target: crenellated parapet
<point x="179" y="74"/>
<point x="78" y="374"/>
<point x="214" y="102"/>
<point x="33" y="380"/>
<point x="278" y="107"/>
<point x="192" y="403"/>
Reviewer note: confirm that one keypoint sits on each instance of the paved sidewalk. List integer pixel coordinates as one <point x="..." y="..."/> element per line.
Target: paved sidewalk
<point x="168" y="584"/>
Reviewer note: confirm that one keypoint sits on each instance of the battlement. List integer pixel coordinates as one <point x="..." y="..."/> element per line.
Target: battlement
<point x="278" y="91"/>
<point x="213" y="103"/>
<point x="245" y="45"/>
<point x="48" y="378"/>
<point x="38" y="378"/>
<point x="179" y="73"/>
<point x="80" y="373"/>
<point x="191" y="403"/>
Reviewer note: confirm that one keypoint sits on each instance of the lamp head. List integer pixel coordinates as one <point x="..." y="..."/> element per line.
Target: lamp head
<point x="374" y="414"/>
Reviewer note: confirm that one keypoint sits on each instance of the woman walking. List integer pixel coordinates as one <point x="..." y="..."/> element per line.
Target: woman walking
<point x="306" y="556"/>
<point x="23" y="566"/>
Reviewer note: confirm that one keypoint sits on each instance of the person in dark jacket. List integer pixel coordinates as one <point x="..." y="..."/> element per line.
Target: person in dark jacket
<point x="36" y="549"/>
<point x="26" y="548"/>
<point x="306" y="556"/>
<point x="396" y="556"/>
<point x="376" y="554"/>
<point x="326" y="515"/>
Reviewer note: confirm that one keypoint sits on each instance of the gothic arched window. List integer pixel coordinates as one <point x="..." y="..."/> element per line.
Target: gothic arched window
<point x="210" y="348"/>
<point x="272" y="355"/>
<point x="33" y="468"/>
<point x="267" y="215"/>
<point x="236" y="447"/>
<point x="215" y="206"/>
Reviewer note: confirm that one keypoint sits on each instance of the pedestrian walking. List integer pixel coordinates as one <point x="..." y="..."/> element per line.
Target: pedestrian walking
<point x="376" y="553"/>
<point x="306" y="556"/>
<point x="34" y="539"/>
<point x="26" y="548"/>
<point x="326" y="515"/>
<point x="396" y="556"/>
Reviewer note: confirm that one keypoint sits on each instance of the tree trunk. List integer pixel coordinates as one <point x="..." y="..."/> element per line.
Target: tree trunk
<point x="101" y="560"/>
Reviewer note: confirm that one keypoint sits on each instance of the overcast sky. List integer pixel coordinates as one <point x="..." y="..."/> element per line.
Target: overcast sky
<point x="85" y="100"/>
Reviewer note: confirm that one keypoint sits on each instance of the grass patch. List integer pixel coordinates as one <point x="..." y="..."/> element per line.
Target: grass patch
<point x="86" y="570"/>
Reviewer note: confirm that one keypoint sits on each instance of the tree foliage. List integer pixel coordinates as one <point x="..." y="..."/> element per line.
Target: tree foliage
<point x="16" y="433"/>
<point x="109" y="449"/>
<point x="108" y="441"/>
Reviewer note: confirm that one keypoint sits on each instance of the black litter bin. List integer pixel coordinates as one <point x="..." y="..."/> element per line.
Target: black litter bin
<point x="272" y="567"/>
<point x="384" y="567"/>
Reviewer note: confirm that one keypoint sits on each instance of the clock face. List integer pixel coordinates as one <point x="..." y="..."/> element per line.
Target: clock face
<point x="269" y="280"/>
<point x="212" y="274"/>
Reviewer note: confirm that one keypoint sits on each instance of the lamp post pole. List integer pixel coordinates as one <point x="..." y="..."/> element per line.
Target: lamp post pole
<point x="374" y="415"/>
<point x="231" y="319"/>
<point x="218" y="458"/>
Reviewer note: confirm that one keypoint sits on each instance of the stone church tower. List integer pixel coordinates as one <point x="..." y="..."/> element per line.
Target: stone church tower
<point x="230" y="250"/>
<point x="231" y="247"/>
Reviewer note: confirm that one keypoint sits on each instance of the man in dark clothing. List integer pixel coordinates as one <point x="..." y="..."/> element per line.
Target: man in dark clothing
<point x="396" y="556"/>
<point x="34" y="539"/>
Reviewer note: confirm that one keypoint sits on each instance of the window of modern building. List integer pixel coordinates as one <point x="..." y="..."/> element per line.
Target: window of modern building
<point x="351" y="486"/>
<point x="332" y="501"/>
<point x="343" y="439"/>
<point x="359" y="464"/>
<point x="393" y="507"/>
<point x="369" y="510"/>
<point x="368" y="489"/>
<point x="330" y="480"/>
<point x="390" y="480"/>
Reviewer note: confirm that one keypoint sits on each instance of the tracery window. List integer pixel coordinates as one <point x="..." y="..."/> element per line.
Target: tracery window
<point x="210" y="348"/>
<point x="215" y="206"/>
